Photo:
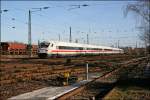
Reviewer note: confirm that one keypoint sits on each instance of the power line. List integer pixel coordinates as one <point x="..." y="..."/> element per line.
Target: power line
<point x="18" y="20"/>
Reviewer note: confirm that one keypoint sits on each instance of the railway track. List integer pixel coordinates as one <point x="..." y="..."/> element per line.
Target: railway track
<point x="26" y="72"/>
<point x="39" y="75"/>
<point x="96" y="89"/>
<point x="36" y="72"/>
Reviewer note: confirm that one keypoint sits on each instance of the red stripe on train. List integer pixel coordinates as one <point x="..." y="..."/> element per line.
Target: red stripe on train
<point x="77" y="51"/>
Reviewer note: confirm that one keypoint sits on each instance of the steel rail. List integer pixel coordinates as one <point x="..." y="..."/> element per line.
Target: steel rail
<point x="105" y="75"/>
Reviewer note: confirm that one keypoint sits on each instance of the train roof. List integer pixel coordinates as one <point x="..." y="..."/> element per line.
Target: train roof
<point x="59" y="43"/>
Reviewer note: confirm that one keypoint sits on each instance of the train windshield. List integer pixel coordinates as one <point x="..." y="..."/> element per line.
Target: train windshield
<point x="44" y="44"/>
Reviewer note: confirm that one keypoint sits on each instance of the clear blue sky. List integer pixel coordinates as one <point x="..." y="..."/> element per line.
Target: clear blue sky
<point x="102" y="20"/>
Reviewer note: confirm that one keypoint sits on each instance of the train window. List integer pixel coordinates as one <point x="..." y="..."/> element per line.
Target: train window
<point x="61" y="47"/>
<point x="44" y="44"/>
<point x="57" y="47"/>
<point x="80" y="48"/>
<point x="52" y="45"/>
<point x="70" y="48"/>
<point x="99" y="49"/>
<point x="92" y="49"/>
<point x="108" y="49"/>
<point x="95" y="48"/>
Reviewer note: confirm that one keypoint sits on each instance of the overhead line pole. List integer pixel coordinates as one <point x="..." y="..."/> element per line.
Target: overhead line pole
<point x="118" y="43"/>
<point x="29" y="36"/>
<point x="0" y="34"/>
<point x="5" y="10"/>
<point x="75" y="7"/>
<point x="29" y="30"/>
<point x="59" y="37"/>
<point x="87" y="39"/>
<point x="70" y="37"/>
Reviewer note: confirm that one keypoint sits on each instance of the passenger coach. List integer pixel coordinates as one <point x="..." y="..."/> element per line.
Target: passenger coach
<point x="56" y="48"/>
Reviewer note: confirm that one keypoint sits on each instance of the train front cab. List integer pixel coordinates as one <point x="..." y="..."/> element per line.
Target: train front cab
<point x="43" y="49"/>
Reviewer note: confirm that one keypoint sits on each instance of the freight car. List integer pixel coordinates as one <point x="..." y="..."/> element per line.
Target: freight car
<point x="16" y="48"/>
<point x="56" y="48"/>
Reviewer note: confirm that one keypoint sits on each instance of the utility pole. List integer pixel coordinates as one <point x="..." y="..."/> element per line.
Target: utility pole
<point x="87" y="39"/>
<point x="88" y="35"/>
<point x="0" y="36"/>
<point x="118" y="43"/>
<point x="1" y="11"/>
<point x="29" y="36"/>
<point x="87" y="71"/>
<point x="39" y="43"/>
<point x="29" y="30"/>
<point x="76" y="41"/>
<point x="59" y="37"/>
<point x="145" y="47"/>
<point x="43" y="36"/>
<point x="136" y="44"/>
<point x="70" y="38"/>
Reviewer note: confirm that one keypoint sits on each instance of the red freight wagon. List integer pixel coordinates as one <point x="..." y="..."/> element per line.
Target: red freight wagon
<point x="15" y="48"/>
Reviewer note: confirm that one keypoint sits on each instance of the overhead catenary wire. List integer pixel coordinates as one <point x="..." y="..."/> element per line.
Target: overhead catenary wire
<point x="39" y="25"/>
<point x="53" y="26"/>
<point x="47" y="27"/>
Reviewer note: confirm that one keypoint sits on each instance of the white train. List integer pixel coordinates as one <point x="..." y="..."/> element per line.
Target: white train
<point x="56" y="48"/>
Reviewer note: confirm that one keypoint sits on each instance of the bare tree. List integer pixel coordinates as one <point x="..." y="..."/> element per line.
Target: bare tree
<point x="142" y="9"/>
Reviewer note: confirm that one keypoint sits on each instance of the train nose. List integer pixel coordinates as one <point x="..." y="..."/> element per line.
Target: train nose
<point x="42" y="55"/>
<point x="43" y="51"/>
